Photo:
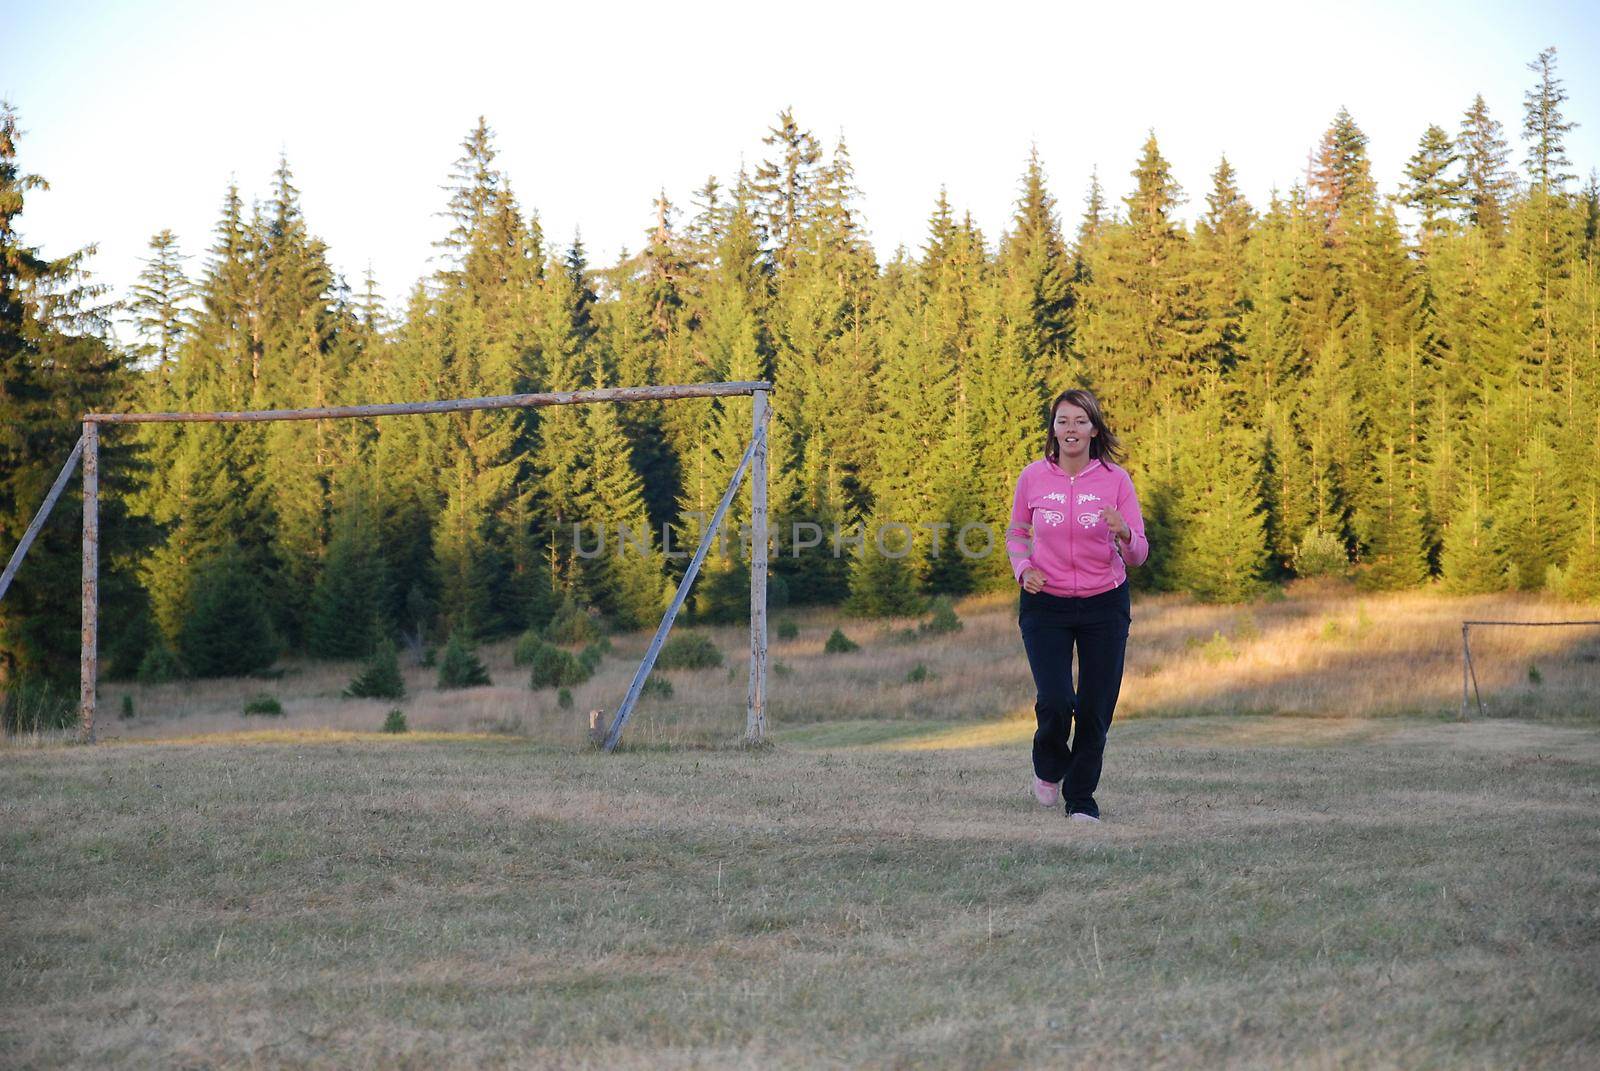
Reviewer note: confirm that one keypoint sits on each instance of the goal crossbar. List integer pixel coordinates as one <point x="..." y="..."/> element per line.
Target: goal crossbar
<point x="755" y="457"/>
<point x="449" y="405"/>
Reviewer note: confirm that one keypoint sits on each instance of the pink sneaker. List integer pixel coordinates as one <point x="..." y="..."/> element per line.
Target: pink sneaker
<point x="1048" y="793"/>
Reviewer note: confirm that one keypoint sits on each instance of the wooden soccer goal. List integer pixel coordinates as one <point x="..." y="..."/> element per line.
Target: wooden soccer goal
<point x="1470" y="671"/>
<point x="754" y="459"/>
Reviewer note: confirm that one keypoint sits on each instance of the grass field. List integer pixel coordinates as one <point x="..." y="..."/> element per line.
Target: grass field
<point x="1294" y="888"/>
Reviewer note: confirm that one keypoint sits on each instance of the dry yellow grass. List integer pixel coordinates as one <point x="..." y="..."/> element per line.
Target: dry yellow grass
<point x="1324" y="650"/>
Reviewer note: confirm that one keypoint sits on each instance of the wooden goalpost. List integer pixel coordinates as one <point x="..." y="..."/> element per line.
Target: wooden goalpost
<point x="754" y="459"/>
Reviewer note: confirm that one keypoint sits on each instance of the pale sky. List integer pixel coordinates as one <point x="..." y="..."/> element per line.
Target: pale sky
<point x="139" y="113"/>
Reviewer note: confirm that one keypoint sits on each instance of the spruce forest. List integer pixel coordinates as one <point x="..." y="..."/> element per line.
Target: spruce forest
<point x="1402" y="385"/>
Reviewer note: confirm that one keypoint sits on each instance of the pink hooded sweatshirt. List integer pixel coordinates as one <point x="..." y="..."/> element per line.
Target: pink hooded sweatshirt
<point x="1071" y="542"/>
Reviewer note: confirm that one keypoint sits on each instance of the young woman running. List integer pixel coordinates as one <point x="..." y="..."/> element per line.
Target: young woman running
<point x="1086" y="529"/>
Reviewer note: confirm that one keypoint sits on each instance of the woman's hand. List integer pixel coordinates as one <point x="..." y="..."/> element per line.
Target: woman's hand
<point x="1119" y="527"/>
<point x="1033" y="580"/>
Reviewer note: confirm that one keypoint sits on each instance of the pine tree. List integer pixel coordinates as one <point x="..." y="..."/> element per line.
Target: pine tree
<point x="1221" y="242"/>
<point x="883" y="582"/>
<point x="923" y="336"/>
<point x="1095" y="217"/>
<point x="1154" y="465"/>
<point x="1488" y="185"/>
<point x="1551" y="227"/>
<point x="226" y="630"/>
<point x="1591" y="216"/>
<point x="159" y="304"/>
<point x="411" y="455"/>
<point x="1581" y="575"/>
<point x="576" y="264"/>
<point x="648" y="338"/>
<point x="568" y="365"/>
<point x="1343" y="193"/>
<point x="953" y="284"/>
<point x="1219" y="550"/>
<point x="221" y="364"/>
<point x="380" y="677"/>
<point x="820" y="573"/>
<point x="823" y="320"/>
<point x="1537" y="515"/>
<point x="474" y="193"/>
<point x="1396" y="551"/>
<point x="1391" y="365"/>
<point x="1034" y="258"/>
<point x="1430" y="187"/>
<point x="1545" y="128"/>
<point x="626" y="579"/>
<point x="459" y="666"/>
<point x="736" y="346"/>
<point x="1474" y="558"/>
<point x="837" y="225"/>
<point x="1481" y="313"/>
<point x="822" y="323"/>
<point x="1271" y="352"/>
<point x="1006" y="426"/>
<point x="1324" y="416"/>
<point x="208" y="486"/>
<point x="460" y="547"/>
<point x="1298" y="365"/>
<point x="347" y="614"/>
<point x="473" y="338"/>
<point x="367" y="364"/>
<point x="1139" y="327"/>
<point x="374" y="316"/>
<point x="1091" y="225"/>
<point x="708" y="224"/>
<point x="1288" y="512"/>
<point x="163" y="319"/>
<point x="300" y="355"/>
<point x="721" y="592"/>
<point x="784" y="185"/>
<point x="528" y="598"/>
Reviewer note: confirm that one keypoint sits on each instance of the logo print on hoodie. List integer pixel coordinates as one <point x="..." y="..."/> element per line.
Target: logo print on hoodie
<point x="1088" y="520"/>
<point x="1051" y="517"/>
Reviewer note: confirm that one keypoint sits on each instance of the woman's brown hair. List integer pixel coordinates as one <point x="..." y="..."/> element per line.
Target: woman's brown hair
<point x="1105" y="445"/>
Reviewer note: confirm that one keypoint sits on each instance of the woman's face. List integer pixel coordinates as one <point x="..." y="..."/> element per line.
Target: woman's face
<point x="1073" y="429"/>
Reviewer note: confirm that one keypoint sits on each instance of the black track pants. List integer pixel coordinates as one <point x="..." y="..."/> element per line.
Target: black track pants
<point x="1051" y="625"/>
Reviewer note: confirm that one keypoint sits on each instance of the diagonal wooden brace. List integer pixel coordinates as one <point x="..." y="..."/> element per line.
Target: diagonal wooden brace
<point x="649" y="660"/>
<point x="39" y="518"/>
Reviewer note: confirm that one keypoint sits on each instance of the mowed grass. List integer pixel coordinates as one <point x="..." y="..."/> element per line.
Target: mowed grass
<point x="1266" y="892"/>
